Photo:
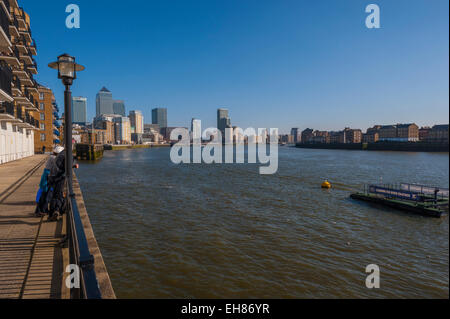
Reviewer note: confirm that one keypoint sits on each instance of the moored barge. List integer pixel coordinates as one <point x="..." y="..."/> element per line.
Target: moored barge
<point x="418" y="199"/>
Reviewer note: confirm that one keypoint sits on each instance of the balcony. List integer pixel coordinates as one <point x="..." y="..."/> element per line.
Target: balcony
<point x="55" y="107"/>
<point x="16" y="86"/>
<point x="10" y="57"/>
<point x="26" y="34"/>
<point x="26" y="57"/>
<point x="7" y="112"/>
<point x="5" y="83"/>
<point x="33" y="48"/>
<point x="14" y="27"/>
<point x="5" y="42"/>
<point x="13" y="4"/>
<point x="28" y="122"/>
<point x="5" y="5"/>
<point x="24" y="75"/>
<point x="32" y="67"/>
<point x="20" y="15"/>
<point x="30" y="103"/>
<point x="27" y="100"/>
<point x="21" y="45"/>
<point x="33" y="88"/>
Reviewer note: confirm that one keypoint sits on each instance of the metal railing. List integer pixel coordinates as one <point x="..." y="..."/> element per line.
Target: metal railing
<point x="79" y="253"/>
<point x="5" y="77"/>
<point x="7" y="5"/>
<point x="7" y="108"/>
<point x="4" y="20"/>
<point x="406" y="192"/>
<point x="14" y="22"/>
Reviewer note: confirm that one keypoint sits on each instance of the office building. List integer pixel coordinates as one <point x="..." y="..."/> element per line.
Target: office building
<point x="122" y="130"/>
<point x="223" y="120"/>
<point x="19" y="109"/>
<point x="307" y="135"/>
<point x="295" y="132"/>
<point x="119" y="107"/>
<point x="151" y="127"/>
<point x="159" y="116"/>
<point x="79" y="110"/>
<point x="104" y="102"/>
<point x="136" y="122"/>
<point x="196" y="125"/>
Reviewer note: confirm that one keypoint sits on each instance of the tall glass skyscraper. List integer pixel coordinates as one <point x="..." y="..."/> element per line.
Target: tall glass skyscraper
<point x="136" y="122"/>
<point x="119" y="107"/>
<point x="79" y="110"/>
<point x="104" y="102"/>
<point x="159" y="116"/>
<point x="223" y="120"/>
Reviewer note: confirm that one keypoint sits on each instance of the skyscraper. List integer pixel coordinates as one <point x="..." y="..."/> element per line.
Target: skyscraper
<point x="159" y="116"/>
<point x="119" y="107"/>
<point x="223" y="120"/>
<point x="295" y="132"/>
<point x="122" y="130"/>
<point x="196" y="127"/>
<point x="136" y="122"/>
<point x="79" y="110"/>
<point x="104" y="102"/>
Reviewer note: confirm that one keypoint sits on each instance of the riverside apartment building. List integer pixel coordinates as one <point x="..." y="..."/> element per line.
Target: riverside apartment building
<point x="20" y="114"/>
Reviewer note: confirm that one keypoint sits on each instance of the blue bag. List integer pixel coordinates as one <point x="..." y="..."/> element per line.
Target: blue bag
<point x="38" y="195"/>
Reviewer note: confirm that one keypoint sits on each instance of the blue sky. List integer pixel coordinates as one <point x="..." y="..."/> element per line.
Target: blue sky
<point x="278" y="64"/>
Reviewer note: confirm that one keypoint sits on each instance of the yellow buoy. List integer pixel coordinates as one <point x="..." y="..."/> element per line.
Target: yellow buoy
<point x="326" y="185"/>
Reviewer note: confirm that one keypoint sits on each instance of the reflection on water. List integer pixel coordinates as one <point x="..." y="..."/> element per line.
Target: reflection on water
<point x="224" y="231"/>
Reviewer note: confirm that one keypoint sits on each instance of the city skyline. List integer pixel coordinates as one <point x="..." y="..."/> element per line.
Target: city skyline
<point x="336" y="74"/>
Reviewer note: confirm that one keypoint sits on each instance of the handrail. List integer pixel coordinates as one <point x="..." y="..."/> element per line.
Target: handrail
<point x="79" y="253"/>
<point x="5" y="77"/>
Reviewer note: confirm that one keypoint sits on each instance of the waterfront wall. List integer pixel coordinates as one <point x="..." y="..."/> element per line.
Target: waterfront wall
<point x="89" y="152"/>
<point x="125" y="147"/>
<point x="103" y="278"/>
<point x="383" y="146"/>
<point x="15" y="145"/>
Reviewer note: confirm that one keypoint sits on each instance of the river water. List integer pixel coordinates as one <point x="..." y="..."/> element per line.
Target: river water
<point x="224" y="231"/>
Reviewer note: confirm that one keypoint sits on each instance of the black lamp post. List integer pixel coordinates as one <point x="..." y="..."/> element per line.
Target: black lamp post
<point x="67" y="71"/>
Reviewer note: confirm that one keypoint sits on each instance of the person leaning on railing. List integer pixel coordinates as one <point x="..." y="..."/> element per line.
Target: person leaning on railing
<point x="56" y="180"/>
<point x="41" y="198"/>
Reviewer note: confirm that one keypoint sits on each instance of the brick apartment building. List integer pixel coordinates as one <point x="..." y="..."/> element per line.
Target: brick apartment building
<point x="47" y="135"/>
<point x="438" y="134"/>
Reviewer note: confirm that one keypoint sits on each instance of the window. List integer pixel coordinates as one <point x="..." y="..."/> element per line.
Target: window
<point x="42" y="117"/>
<point x="42" y="137"/>
<point x="41" y="106"/>
<point x="42" y="126"/>
<point x="41" y="96"/>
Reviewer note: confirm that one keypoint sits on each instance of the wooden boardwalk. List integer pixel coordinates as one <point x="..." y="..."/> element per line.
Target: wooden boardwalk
<point x="31" y="259"/>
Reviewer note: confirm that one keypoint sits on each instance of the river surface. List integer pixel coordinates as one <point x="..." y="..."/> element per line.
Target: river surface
<point x="224" y="231"/>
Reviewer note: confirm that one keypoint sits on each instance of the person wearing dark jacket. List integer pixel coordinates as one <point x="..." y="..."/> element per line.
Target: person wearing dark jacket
<point x="56" y="185"/>
<point x="41" y="199"/>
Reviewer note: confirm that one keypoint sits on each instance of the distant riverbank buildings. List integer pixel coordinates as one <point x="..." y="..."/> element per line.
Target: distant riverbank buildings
<point x="378" y="133"/>
<point x="111" y="125"/>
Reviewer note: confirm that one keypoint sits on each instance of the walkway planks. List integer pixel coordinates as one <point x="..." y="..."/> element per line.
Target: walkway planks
<point x="31" y="262"/>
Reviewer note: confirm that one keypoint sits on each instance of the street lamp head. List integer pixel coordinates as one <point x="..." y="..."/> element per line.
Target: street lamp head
<point x="67" y="68"/>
